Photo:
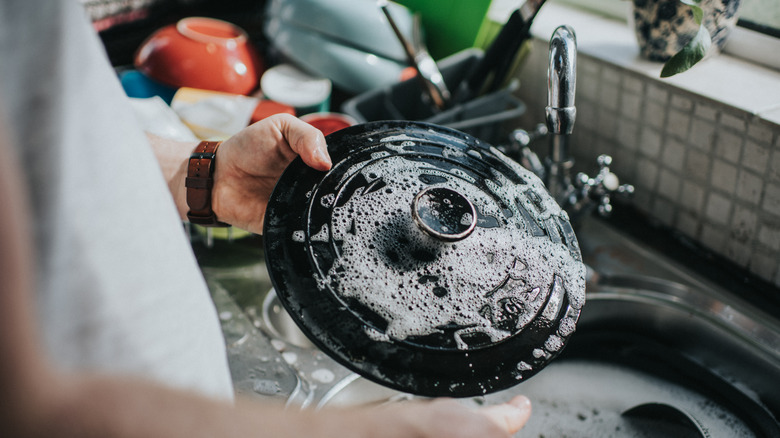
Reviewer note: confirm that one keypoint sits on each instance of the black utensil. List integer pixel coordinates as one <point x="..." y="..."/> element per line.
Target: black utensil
<point x="491" y="71"/>
<point x="416" y="52"/>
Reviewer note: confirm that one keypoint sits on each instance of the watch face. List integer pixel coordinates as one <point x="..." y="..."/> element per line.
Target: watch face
<point x="425" y="260"/>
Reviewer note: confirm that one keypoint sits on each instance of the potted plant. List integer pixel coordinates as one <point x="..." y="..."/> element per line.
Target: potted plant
<point x="682" y="32"/>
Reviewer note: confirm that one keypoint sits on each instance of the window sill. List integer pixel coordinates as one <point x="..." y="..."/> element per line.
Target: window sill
<point x="723" y="78"/>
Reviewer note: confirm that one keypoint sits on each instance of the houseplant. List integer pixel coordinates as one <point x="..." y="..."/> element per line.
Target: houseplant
<point x="682" y="32"/>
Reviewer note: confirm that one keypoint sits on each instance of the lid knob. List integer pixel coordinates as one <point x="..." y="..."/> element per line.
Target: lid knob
<point x="444" y="213"/>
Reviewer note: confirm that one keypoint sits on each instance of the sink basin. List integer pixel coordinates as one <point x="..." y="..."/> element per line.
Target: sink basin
<point x="635" y="347"/>
<point x="280" y="324"/>
<point x="357" y="390"/>
<point x="665" y="342"/>
<point x="655" y="344"/>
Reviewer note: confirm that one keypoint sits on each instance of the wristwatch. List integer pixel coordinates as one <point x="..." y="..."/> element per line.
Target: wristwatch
<point x="200" y="180"/>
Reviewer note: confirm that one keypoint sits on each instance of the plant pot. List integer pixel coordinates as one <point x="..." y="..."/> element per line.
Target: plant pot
<point x="664" y="27"/>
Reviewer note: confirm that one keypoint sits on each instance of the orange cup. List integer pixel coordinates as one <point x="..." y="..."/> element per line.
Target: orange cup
<point x="203" y="53"/>
<point x="328" y="122"/>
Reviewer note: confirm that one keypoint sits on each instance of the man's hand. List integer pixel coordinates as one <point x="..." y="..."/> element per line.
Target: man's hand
<point x="250" y="163"/>
<point x="449" y="418"/>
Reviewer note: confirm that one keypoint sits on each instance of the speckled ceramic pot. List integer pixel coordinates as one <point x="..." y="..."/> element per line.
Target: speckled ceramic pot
<point x="664" y="27"/>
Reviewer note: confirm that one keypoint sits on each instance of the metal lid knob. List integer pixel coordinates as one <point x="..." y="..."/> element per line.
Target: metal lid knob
<point x="444" y="213"/>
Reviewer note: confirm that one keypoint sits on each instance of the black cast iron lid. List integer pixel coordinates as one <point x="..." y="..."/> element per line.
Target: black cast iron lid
<point x="425" y="260"/>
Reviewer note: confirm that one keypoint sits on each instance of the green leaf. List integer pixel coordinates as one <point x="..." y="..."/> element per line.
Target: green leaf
<point x="692" y="53"/>
<point x="695" y="5"/>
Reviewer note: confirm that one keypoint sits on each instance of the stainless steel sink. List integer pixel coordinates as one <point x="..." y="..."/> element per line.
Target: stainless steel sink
<point x="279" y="323"/>
<point x="652" y="333"/>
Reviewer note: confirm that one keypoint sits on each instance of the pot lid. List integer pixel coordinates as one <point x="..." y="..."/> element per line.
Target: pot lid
<point x="425" y="260"/>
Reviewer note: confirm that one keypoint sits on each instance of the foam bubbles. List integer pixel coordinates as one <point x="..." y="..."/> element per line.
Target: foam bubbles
<point x="323" y="375"/>
<point x="397" y="138"/>
<point x="266" y="387"/>
<point x="290" y="357"/>
<point x="487" y="284"/>
<point x="553" y="344"/>
<point x="566" y="327"/>
<point x="321" y="236"/>
<point x="327" y="200"/>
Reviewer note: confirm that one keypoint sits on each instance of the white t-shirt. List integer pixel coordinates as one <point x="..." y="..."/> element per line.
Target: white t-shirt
<point x="119" y="289"/>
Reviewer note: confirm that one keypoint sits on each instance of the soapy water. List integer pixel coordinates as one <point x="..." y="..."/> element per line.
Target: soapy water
<point x="494" y="282"/>
<point x="323" y="375"/>
<point x="266" y="387"/>
<point x="579" y="397"/>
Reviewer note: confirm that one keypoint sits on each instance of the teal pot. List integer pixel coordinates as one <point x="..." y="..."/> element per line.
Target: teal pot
<point x="664" y="27"/>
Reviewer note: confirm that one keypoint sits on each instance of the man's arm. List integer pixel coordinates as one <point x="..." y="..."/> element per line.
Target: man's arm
<point x="37" y="400"/>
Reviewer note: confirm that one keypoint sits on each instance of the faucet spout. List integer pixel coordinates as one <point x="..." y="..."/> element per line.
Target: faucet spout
<point x="562" y="81"/>
<point x="560" y="111"/>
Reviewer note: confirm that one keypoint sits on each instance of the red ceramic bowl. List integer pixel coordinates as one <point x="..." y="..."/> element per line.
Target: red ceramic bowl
<point x="328" y="122"/>
<point x="201" y="53"/>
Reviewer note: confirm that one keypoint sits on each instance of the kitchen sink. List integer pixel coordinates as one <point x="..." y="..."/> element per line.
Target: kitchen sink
<point x="660" y="350"/>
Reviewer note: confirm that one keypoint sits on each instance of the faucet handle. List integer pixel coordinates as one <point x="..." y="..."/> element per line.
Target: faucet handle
<point x="520" y="138"/>
<point x="601" y="187"/>
<point x="519" y="141"/>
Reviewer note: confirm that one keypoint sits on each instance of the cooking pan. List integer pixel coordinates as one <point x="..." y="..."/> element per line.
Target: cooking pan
<point x="425" y="260"/>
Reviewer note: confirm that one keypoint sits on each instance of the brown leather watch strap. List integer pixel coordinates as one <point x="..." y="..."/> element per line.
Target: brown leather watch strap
<point x="200" y="180"/>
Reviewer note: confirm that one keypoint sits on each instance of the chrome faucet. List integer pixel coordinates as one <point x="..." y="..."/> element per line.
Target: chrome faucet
<point x="579" y="195"/>
<point x="560" y="111"/>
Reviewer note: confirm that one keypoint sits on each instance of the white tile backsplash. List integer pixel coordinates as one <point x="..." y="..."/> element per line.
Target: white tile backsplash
<point x="656" y="93"/>
<point x="655" y="113"/>
<point x="692" y="197"/>
<point x="737" y="123"/>
<point x="647" y="172"/>
<point x="718" y="210"/>
<point x="764" y="263"/>
<point x="743" y="224"/>
<point x="702" y="133"/>
<point x="774" y="165"/>
<point x="769" y="236"/>
<point x="713" y="237"/>
<point x="739" y="252"/>
<point x="631" y="105"/>
<point x="709" y="169"/>
<point x="755" y="157"/>
<point x="749" y="188"/>
<point x="706" y="112"/>
<point x="761" y="133"/>
<point x="688" y="223"/>
<point x="728" y="146"/>
<point x="723" y="176"/>
<point x="609" y="95"/>
<point x="650" y="142"/>
<point x="682" y="103"/>
<point x="697" y="166"/>
<point x="663" y="211"/>
<point x="669" y="185"/>
<point x="678" y="123"/>
<point x="771" y="202"/>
